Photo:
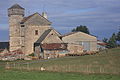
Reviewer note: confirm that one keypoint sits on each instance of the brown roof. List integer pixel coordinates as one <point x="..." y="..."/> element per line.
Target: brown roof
<point x="27" y="18"/>
<point x="54" y="46"/>
<point x="102" y="44"/>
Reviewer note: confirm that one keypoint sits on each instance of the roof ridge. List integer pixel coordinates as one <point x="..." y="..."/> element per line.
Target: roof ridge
<point x="77" y="32"/>
<point x="28" y="17"/>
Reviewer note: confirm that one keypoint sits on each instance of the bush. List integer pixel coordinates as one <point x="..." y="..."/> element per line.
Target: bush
<point x="32" y="55"/>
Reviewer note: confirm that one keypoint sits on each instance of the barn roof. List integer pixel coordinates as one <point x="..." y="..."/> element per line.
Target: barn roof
<point x="76" y="32"/>
<point x="43" y="36"/>
<point x="16" y="6"/>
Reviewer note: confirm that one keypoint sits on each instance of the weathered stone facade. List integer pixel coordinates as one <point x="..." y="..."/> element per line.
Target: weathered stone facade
<point x="24" y="31"/>
<point x="75" y="48"/>
<point x="30" y="33"/>
<point x="15" y="16"/>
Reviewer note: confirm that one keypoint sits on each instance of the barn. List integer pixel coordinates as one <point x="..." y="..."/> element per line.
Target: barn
<point x="88" y="42"/>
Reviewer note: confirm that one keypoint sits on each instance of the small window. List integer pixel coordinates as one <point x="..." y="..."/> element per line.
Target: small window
<point x="36" y="32"/>
<point x="22" y="25"/>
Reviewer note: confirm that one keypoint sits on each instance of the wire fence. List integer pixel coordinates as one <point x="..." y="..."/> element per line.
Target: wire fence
<point x="107" y="69"/>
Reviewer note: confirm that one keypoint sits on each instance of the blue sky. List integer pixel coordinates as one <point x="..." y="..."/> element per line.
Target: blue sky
<point x="101" y="16"/>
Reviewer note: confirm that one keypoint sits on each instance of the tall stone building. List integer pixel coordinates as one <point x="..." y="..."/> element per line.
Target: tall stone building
<point x="34" y="34"/>
<point x="24" y="31"/>
<point x="16" y="15"/>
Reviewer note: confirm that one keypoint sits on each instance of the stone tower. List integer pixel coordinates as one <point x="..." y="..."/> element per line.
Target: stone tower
<point x="15" y="14"/>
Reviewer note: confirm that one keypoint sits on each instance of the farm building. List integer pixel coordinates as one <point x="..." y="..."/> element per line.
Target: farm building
<point x="88" y="42"/>
<point x="101" y="45"/>
<point x="49" y="45"/>
<point x="34" y="34"/>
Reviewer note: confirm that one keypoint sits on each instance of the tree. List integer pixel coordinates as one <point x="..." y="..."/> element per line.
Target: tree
<point x="118" y="37"/>
<point x="105" y="40"/>
<point x="82" y="29"/>
<point x="112" y="41"/>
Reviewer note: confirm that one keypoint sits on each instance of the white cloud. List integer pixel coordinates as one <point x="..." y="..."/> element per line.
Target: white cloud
<point x="97" y="14"/>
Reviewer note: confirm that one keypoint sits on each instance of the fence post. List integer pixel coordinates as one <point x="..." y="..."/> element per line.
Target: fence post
<point x="14" y="65"/>
<point x="7" y="66"/>
<point x="100" y="69"/>
<point x="28" y="66"/>
<point x="87" y="68"/>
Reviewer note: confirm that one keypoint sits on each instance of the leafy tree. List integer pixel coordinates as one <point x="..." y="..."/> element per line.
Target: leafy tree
<point x="112" y="41"/>
<point x="82" y="29"/>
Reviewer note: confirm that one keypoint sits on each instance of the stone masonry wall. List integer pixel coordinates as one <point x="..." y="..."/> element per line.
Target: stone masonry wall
<point x="31" y="38"/>
<point x="14" y="31"/>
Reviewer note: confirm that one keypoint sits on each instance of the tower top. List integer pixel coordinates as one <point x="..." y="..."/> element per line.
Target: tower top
<point x="16" y="9"/>
<point x="16" y="6"/>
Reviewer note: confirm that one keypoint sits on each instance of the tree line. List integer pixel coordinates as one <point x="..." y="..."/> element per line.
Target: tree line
<point x="113" y="41"/>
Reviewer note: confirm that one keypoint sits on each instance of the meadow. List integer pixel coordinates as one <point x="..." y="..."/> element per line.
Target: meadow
<point x="109" y="60"/>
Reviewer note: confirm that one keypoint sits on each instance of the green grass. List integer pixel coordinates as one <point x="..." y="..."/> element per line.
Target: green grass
<point x="111" y="59"/>
<point x="108" y="63"/>
<point x="36" y="75"/>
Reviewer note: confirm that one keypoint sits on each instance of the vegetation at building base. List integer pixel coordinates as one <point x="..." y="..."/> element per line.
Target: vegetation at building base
<point x="32" y="55"/>
<point x="82" y="29"/>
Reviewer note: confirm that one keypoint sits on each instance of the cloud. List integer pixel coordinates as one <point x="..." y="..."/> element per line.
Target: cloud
<point x="98" y="15"/>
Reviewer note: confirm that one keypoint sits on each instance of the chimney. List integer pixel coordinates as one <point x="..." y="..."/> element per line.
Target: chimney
<point x="44" y="14"/>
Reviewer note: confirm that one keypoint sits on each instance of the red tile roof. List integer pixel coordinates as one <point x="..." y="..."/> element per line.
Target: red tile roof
<point x="54" y="46"/>
<point x="103" y="44"/>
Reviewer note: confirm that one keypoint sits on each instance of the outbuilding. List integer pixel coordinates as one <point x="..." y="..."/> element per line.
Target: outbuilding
<point x="88" y="42"/>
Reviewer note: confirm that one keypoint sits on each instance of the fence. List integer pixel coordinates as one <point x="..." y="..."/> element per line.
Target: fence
<point x="65" y="68"/>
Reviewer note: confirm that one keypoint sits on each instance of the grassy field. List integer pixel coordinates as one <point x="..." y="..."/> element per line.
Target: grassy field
<point x="36" y="75"/>
<point x="103" y="62"/>
<point x="110" y="59"/>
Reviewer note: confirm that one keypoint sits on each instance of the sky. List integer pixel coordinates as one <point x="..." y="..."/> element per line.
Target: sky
<point x="102" y="17"/>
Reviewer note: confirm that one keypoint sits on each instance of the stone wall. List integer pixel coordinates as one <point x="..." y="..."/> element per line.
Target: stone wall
<point x="75" y="49"/>
<point x="14" y="32"/>
<point x="52" y="37"/>
<point x="31" y="38"/>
